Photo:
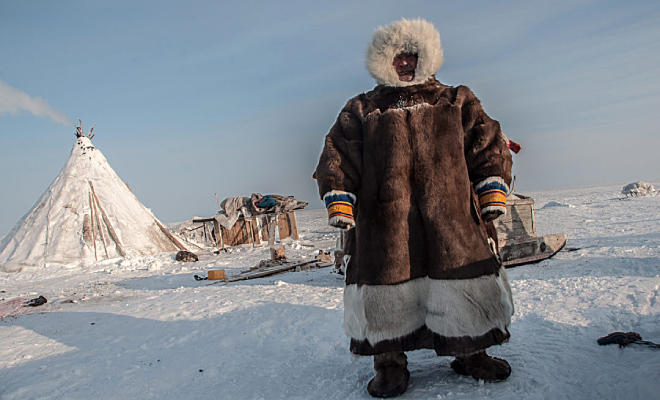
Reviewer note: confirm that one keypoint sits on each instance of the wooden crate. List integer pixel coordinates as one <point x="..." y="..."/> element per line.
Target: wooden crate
<point x="518" y="221"/>
<point x="516" y="234"/>
<point x="256" y="230"/>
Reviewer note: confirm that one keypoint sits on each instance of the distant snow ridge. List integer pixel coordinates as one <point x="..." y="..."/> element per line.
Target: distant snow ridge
<point x="551" y="204"/>
<point x="638" y="188"/>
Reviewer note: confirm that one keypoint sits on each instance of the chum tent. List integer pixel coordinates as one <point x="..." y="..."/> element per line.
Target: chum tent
<point x="87" y="214"/>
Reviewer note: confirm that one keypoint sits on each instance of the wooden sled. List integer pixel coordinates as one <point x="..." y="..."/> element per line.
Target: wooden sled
<point x="274" y="268"/>
<point x="516" y="232"/>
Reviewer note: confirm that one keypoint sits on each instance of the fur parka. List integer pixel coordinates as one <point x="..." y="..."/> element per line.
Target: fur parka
<point x="420" y="271"/>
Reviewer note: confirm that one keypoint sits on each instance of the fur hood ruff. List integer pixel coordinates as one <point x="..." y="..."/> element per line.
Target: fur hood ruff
<point x="415" y="36"/>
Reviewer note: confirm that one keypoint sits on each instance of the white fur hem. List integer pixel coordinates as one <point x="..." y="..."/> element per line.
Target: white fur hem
<point x="339" y="192"/>
<point x="451" y="308"/>
<point x="339" y="221"/>
<point x="489" y="180"/>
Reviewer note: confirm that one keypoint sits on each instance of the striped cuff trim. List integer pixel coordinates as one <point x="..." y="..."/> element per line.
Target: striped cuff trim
<point x="339" y="194"/>
<point x="493" y="181"/>
<point x="340" y="208"/>
<point x="492" y="195"/>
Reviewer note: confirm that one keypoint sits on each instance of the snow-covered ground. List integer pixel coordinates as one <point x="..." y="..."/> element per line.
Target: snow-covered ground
<point x="143" y="328"/>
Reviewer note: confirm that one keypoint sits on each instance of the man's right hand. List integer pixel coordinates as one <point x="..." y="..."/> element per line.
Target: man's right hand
<point x="341" y="224"/>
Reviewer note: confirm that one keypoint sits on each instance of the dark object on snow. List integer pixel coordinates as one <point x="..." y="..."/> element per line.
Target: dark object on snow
<point x="569" y="249"/>
<point x="186" y="256"/>
<point x="277" y="254"/>
<point x="623" y="339"/>
<point x="199" y="278"/>
<point x="36" y="302"/>
<point x="324" y="257"/>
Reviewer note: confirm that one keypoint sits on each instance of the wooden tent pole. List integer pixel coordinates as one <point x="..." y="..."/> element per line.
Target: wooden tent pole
<point x="98" y="224"/>
<point x="170" y="236"/>
<point x="91" y="211"/>
<point x="111" y="230"/>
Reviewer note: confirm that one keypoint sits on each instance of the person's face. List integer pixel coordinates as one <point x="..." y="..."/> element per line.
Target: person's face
<point x="404" y="64"/>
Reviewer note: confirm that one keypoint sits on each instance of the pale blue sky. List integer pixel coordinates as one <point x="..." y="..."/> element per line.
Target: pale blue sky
<point x="201" y="97"/>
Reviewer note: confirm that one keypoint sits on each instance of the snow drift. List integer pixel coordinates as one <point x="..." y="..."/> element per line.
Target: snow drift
<point x="143" y="328"/>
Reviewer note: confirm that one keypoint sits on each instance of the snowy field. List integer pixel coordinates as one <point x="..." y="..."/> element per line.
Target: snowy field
<point x="143" y="328"/>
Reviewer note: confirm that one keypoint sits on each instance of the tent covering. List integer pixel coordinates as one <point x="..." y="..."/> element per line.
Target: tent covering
<point x="86" y="214"/>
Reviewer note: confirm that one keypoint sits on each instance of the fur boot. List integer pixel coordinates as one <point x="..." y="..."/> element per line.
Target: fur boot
<point x="391" y="375"/>
<point x="482" y="366"/>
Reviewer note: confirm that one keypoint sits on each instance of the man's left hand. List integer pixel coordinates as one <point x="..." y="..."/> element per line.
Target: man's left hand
<point x="491" y="215"/>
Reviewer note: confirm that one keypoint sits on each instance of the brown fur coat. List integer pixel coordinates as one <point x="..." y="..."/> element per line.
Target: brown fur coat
<point x="421" y="272"/>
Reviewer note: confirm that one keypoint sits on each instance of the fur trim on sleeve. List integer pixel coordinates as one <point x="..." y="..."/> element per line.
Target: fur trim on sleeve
<point x="339" y="193"/>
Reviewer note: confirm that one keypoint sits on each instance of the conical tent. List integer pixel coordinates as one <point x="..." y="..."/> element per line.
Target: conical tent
<point x="86" y="214"/>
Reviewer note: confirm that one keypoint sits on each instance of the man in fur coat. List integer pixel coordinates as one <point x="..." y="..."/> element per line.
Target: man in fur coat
<point x="417" y="171"/>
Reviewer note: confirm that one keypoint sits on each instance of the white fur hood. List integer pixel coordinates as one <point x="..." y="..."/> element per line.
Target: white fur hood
<point x="415" y="36"/>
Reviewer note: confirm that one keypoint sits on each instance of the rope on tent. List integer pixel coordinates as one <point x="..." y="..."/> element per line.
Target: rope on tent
<point x="623" y="339"/>
<point x="169" y="235"/>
